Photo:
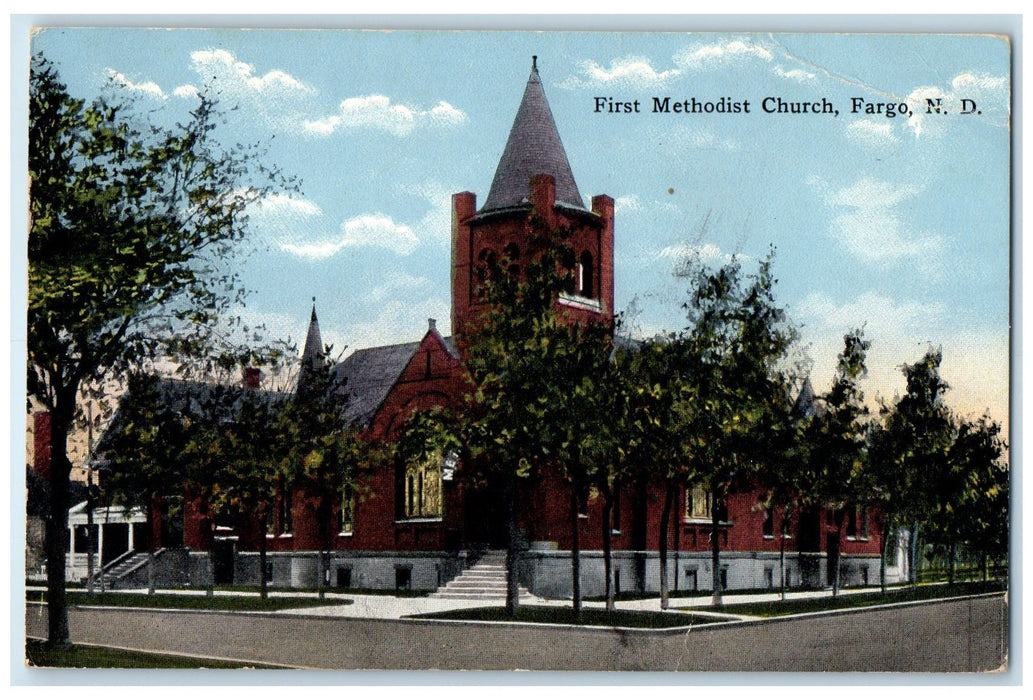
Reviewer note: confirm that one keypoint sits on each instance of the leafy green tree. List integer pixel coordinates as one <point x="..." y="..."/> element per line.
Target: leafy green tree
<point x="131" y="234"/>
<point x="736" y="391"/>
<point x="143" y="451"/>
<point x="979" y="451"/>
<point x="835" y="444"/>
<point x="647" y="431"/>
<point x="910" y="447"/>
<point x="244" y="449"/>
<point x="319" y="451"/>
<point x="532" y="373"/>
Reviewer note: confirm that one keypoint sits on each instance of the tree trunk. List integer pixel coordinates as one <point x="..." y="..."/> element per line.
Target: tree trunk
<point x="840" y="520"/>
<point x="57" y="534"/>
<point x="782" y="557"/>
<point x="263" y="586"/>
<point x="952" y="555"/>
<point x="884" y="554"/>
<point x="575" y="551"/>
<point x="608" y="545"/>
<point x="665" y="526"/>
<point x="913" y="555"/>
<point x="715" y="546"/>
<point x="512" y="553"/>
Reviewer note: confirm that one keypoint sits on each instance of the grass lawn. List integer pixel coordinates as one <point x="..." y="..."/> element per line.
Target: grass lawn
<point x="38" y="655"/>
<point x="565" y="616"/>
<point x="193" y="602"/>
<point x="856" y="600"/>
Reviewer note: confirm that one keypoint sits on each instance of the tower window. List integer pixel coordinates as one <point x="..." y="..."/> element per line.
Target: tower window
<point x="586" y="281"/>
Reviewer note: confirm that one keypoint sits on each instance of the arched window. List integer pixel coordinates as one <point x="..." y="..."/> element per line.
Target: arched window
<point x="512" y="258"/>
<point x="346" y="518"/>
<point x="486" y="261"/>
<point x="423" y="488"/>
<point x="586" y="281"/>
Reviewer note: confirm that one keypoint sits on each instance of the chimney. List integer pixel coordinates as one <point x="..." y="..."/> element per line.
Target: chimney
<point x="432" y="324"/>
<point x="252" y="377"/>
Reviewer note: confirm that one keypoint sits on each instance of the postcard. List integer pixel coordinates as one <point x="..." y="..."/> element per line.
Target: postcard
<point x="500" y="350"/>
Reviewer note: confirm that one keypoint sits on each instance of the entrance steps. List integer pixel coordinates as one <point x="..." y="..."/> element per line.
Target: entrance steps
<point x="485" y="580"/>
<point x="109" y="577"/>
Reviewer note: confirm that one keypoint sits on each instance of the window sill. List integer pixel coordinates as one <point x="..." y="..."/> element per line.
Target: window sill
<point x="579" y="302"/>
<point x="705" y="521"/>
<point x="345" y="534"/>
<point x="416" y="521"/>
<point x="858" y="539"/>
<point x="282" y="535"/>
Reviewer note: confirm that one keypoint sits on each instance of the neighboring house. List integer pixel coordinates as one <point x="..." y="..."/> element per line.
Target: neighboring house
<point x="415" y="528"/>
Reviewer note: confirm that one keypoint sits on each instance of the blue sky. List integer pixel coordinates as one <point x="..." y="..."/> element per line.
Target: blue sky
<point x="900" y="224"/>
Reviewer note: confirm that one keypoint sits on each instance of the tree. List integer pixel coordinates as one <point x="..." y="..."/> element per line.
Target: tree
<point x="319" y="451"/>
<point x="909" y="448"/>
<point x="647" y="431"/>
<point x="979" y="453"/>
<point x="131" y="231"/>
<point x="735" y="396"/>
<point x="835" y="444"/>
<point x="528" y="367"/>
<point x="143" y="451"/>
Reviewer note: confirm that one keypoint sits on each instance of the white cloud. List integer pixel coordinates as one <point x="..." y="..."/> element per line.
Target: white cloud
<point x="990" y="94"/>
<point x="797" y="74"/>
<point x="627" y="72"/>
<point x="873" y="230"/>
<point x="870" y="132"/>
<point x="238" y="76"/>
<point x="276" y="204"/>
<point x="436" y="225"/>
<point x="367" y="230"/>
<point x="186" y="91"/>
<point x="721" y="53"/>
<point x="147" y="89"/>
<point x="627" y="203"/>
<point x="378" y="112"/>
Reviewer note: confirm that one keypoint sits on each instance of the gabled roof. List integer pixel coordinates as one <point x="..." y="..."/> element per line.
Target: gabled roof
<point x="369" y="374"/>
<point x="533" y="148"/>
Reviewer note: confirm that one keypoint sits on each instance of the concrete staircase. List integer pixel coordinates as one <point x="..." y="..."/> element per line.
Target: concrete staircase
<point x="110" y="576"/>
<point x="485" y="580"/>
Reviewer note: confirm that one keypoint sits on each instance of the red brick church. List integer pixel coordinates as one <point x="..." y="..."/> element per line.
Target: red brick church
<point x="416" y="528"/>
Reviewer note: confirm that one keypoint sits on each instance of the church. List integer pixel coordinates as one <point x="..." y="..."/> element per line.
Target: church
<point x="418" y="527"/>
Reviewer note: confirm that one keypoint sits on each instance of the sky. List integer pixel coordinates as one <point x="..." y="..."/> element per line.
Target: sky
<point x="898" y="224"/>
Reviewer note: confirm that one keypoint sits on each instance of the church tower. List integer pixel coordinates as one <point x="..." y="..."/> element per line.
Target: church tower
<point x="533" y="178"/>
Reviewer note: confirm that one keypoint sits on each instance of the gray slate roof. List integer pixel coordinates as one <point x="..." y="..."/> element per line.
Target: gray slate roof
<point x="370" y="373"/>
<point x="533" y="148"/>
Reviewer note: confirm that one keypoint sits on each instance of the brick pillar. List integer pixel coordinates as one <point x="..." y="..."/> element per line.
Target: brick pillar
<point x="543" y="197"/>
<point x="602" y="205"/>
<point x="464" y="206"/>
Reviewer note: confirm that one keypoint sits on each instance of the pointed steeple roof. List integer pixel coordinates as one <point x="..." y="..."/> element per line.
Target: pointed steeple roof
<point x="313" y="341"/>
<point x="312" y="358"/>
<point x="805" y="401"/>
<point x="533" y="148"/>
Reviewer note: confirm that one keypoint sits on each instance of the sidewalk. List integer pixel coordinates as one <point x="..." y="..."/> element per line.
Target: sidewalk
<point x="388" y="606"/>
